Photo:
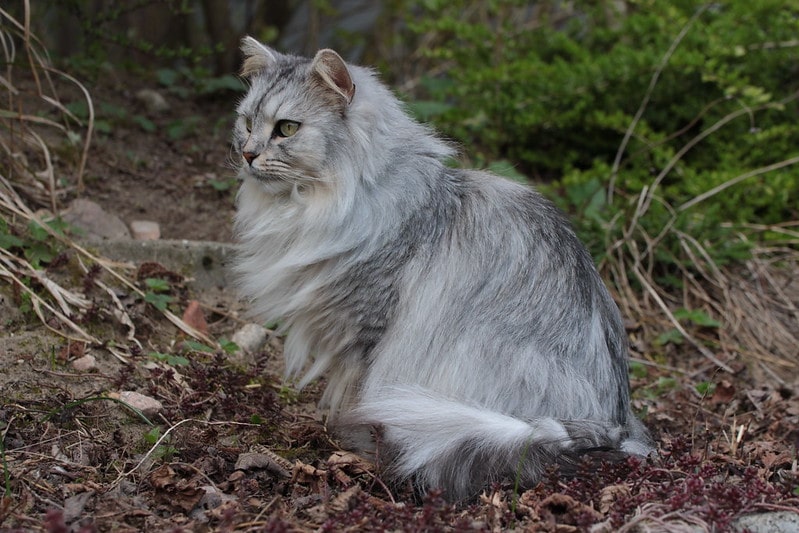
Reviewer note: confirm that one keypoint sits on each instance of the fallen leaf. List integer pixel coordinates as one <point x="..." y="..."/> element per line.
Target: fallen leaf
<point x="268" y="461"/>
<point x="74" y="505"/>
<point x="194" y="317"/>
<point x="174" y="491"/>
<point x="71" y="350"/>
<point x="344" y="501"/>
<point x="162" y="477"/>
<point x="608" y="496"/>
<point x="724" y="393"/>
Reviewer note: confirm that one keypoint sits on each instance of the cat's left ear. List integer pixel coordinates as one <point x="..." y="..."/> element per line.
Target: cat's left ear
<point x="333" y="71"/>
<point x="257" y="57"/>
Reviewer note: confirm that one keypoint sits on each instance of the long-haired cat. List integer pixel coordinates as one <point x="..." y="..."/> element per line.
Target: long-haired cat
<point x="455" y="313"/>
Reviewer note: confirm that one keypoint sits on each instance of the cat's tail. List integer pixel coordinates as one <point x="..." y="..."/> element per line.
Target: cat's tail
<point x="460" y="448"/>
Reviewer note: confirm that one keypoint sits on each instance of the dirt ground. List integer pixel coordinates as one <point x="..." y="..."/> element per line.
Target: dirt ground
<point x="234" y="448"/>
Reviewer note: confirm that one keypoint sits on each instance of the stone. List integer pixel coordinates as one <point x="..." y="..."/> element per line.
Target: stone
<point x="207" y="262"/>
<point x="94" y="222"/>
<point x="153" y="101"/>
<point x="251" y="337"/>
<point x="87" y="363"/>
<point x="148" y="406"/>
<point x="768" y="522"/>
<point x="145" y="230"/>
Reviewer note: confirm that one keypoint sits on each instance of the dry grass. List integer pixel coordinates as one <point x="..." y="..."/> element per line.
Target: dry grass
<point x="33" y="119"/>
<point x="29" y="177"/>
<point x="756" y="302"/>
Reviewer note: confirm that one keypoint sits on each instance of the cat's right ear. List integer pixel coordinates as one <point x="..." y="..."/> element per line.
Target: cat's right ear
<point x="257" y="57"/>
<point x="333" y="71"/>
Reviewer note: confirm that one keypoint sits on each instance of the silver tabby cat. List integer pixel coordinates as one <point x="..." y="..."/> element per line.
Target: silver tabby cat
<point x="454" y="313"/>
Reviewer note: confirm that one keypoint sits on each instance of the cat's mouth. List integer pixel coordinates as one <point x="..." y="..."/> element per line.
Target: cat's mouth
<point x="273" y="170"/>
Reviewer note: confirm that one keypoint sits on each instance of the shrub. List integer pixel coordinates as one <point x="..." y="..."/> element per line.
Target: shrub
<point x="629" y="111"/>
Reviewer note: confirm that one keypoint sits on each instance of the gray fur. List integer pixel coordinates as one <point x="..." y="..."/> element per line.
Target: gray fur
<point x="452" y="310"/>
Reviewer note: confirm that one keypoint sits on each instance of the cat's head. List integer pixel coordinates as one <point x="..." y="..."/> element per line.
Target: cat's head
<point x="291" y="121"/>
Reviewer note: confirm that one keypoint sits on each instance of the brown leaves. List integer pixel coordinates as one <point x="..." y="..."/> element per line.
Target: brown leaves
<point x="724" y="393"/>
<point x="194" y="317"/>
<point x="173" y="491"/>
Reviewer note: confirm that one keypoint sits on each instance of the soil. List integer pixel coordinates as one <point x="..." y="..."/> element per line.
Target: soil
<point x="183" y="181"/>
<point x="234" y="447"/>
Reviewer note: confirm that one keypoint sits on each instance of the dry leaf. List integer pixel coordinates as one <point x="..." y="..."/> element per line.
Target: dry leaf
<point x="194" y="317"/>
<point x="724" y="393"/>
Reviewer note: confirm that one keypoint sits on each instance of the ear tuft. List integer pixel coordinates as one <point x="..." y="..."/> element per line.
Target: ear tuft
<point x="333" y="71"/>
<point x="257" y="57"/>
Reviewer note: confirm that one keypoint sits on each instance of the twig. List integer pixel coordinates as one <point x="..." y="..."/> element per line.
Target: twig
<point x="738" y="179"/>
<point x="642" y="107"/>
<point x="676" y="323"/>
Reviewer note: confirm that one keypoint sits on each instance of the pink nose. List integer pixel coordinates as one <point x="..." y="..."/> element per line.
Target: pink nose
<point x="249" y="156"/>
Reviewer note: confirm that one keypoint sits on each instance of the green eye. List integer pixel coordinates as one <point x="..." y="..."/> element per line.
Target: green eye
<point x="248" y="123"/>
<point x="286" y="128"/>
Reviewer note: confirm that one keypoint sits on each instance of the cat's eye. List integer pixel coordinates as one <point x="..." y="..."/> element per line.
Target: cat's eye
<point x="248" y="123"/>
<point x="286" y="128"/>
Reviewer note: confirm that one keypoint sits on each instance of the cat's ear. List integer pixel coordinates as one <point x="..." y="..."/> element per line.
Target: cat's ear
<point x="329" y="66"/>
<point x="257" y="57"/>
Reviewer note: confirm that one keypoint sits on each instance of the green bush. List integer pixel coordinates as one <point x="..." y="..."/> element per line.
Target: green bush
<point x="554" y="86"/>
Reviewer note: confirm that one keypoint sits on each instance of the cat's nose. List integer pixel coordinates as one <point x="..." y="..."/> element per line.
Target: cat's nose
<point x="249" y="156"/>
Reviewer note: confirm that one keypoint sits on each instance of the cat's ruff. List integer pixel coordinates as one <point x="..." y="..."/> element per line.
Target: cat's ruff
<point x="454" y="311"/>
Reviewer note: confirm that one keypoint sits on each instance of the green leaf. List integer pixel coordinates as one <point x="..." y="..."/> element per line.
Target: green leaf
<point x="182" y="127"/>
<point x="170" y="359"/>
<point x="706" y="388"/>
<point x="638" y="370"/>
<point x="167" y="77"/>
<point x="152" y="436"/>
<point x="671" y="336"/>
<point x="195" y="346"/>
<point x="103" y="126"/>
<point x="506" y="169"/>
<point x="145" y="123"/>
<point x="222" y="185"/>
<point x="665" y="384"/>
<point x="697" y="316"/>
<point x="8" y="241"/>
<point x="157" y="284"/>
<point x="39" y="253"/>
<point x="228" y="346"/>
<point x="37" y="232"/>
<point x="425" y="110"/>
<point x="159" y="301"/>
<point x="221" y="83"/>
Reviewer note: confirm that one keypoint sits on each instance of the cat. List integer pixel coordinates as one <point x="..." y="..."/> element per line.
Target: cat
<point x="455" y="313"/>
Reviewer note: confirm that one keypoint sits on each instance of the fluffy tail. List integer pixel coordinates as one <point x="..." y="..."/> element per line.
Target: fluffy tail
<point x="443" y="443"/>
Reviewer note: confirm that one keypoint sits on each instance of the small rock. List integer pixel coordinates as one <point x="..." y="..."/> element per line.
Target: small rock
<point x="236" y="476"/>
<point x="145" y="230"/>
<point x="148" y="406"/>
<point x="94" y="222"/>
<point x="250" y="338"/>
<point x="768" y="522"/>
<point x="87" y="363"/>
<point x="153" y="101"/>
